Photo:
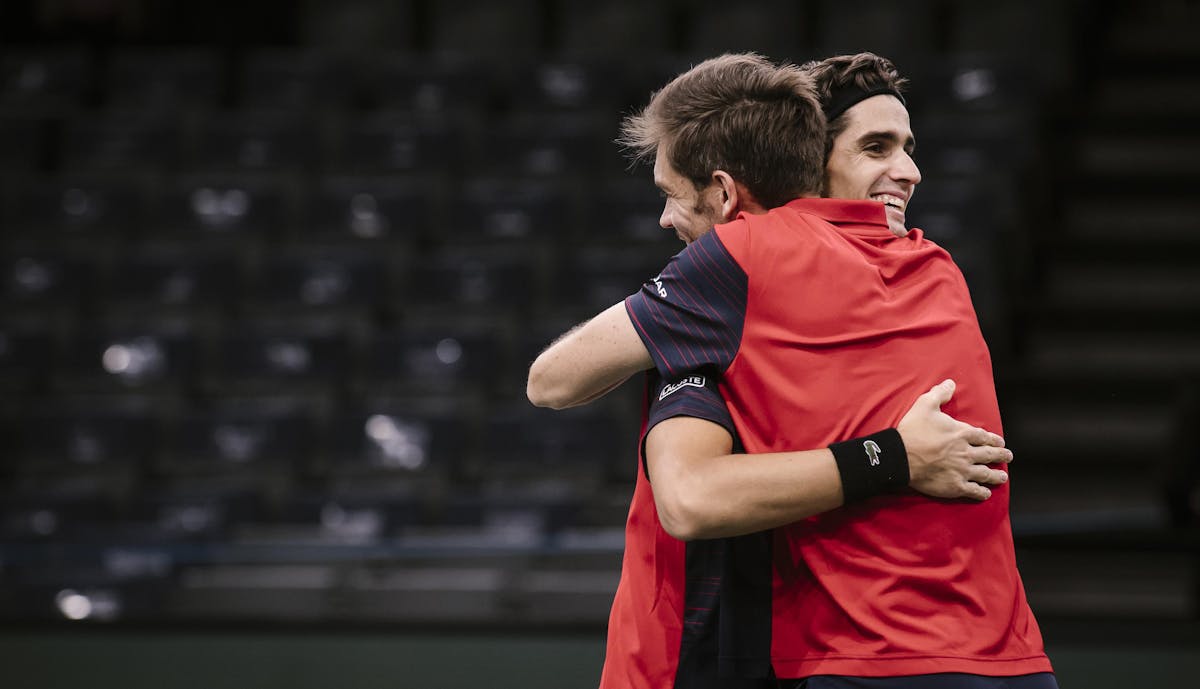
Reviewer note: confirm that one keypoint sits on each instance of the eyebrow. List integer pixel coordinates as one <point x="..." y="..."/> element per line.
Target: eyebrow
<point x="886" y="136"/>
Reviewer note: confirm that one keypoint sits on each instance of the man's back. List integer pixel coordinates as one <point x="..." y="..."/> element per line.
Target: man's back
<point x="834" y="330"/>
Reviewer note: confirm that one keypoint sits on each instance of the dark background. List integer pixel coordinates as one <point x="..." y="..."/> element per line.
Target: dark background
<point x="271" y="275"/>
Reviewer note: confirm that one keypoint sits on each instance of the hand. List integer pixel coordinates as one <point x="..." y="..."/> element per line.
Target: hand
<point x="946" y="457"/>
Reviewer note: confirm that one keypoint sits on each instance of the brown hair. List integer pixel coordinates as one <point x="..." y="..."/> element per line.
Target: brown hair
<point x="739" y="113"/>
<point x="864" y="71"/>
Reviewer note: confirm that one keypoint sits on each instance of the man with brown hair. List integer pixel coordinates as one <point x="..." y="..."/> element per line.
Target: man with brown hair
<point x="699" y="493"/>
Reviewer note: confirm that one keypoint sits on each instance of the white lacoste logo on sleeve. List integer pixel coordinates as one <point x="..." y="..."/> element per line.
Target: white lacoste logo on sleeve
<point x="873" y="452"/>
<point x="690" y="381"/>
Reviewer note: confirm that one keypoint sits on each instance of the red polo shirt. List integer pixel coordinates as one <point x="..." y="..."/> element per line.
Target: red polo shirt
<point x="825" y="326"/>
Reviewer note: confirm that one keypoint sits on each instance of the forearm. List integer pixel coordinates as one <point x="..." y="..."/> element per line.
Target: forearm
<point x="741" y="494"/>
<point x="713" y="496"/>
<point x="587" y="398"/>
<point x="588" y="361"/>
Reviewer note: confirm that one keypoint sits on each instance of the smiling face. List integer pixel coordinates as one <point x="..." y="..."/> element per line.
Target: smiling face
<point x="872" y="158"/>
<point x="689" y="211"/>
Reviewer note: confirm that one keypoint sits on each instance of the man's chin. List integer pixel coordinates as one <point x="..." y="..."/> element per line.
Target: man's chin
<point x="896" y="223"/>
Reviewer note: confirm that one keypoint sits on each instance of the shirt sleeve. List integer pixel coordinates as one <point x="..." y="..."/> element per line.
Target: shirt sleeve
<point x="694" y="395"/>
<point x="691" y="316"/>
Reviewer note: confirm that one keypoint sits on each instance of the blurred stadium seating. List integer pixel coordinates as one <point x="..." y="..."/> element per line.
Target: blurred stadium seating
<point x="266" y="307"/>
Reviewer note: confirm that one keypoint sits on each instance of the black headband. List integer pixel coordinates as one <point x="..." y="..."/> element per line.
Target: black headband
<point x="845" y="97"/>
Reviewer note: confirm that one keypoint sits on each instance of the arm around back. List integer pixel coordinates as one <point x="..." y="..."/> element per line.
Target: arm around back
<point x="703" y="491"/>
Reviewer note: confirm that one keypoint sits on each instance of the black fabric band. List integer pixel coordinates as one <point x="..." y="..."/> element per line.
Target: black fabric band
<point x="845" y="97"/>
<point x="871" y="465"/>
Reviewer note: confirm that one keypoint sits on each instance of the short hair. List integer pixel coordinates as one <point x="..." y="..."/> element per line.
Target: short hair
<point x="864" y="71"/>
<point x="739" y="113"/>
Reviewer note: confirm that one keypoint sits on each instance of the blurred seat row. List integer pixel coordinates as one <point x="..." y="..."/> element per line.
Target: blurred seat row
<point x="400" y="210"/>
<point x="129" y="142"/>
<point x="190" y="292"/>
<point x="179" y="358"/>
<point x="162" y="81"/>
<point x="105" y="446"/>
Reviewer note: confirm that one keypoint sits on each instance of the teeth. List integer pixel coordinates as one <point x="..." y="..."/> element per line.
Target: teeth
<point x="889" y="200"/>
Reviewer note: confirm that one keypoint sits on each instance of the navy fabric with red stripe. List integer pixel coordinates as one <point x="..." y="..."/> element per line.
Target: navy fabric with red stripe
<point x="701" y="318"/>
<point x="727" y="599"/>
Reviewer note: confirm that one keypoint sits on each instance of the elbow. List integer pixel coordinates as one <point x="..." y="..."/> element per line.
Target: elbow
<point x="685" y="517"/>
<point x="682" y="531"/>
<point x="541" y="398"/>
<point x="540" y="392"/>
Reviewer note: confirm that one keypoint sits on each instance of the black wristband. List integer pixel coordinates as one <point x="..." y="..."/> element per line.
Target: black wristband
<point x="871" y="465"/>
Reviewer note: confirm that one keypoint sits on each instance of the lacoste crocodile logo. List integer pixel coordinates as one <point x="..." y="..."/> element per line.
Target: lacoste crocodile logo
<point x="873" y="452"/>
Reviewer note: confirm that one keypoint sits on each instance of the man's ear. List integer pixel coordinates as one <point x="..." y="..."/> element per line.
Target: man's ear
<point x="729" y="195"/>
<point x="732" y="196"/>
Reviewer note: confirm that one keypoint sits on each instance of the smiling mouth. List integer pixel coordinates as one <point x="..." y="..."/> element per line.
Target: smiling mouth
<point x="889" y="201"/>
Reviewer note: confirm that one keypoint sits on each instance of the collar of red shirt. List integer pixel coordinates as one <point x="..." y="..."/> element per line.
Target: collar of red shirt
<point x="855" y="215"/>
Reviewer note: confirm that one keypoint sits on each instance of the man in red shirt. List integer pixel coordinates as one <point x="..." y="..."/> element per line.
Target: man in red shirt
<point x="829" y="314"/>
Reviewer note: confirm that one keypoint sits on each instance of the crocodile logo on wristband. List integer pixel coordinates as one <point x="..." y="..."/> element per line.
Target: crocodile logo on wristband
<point x="873" y="452"/>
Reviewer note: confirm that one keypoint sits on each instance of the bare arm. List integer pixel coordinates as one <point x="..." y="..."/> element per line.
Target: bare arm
<point x="703" y="491"/>
<point x="588" y="361"/>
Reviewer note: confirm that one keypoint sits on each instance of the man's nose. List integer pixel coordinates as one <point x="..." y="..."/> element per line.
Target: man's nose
<point x="664" y="220"/>
<point x="905" y="169"/>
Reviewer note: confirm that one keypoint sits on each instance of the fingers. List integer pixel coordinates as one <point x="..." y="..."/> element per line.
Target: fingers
<point x="989" y="455"/>
<point x="978" y="436"/>
<point x="940" y="393"/>
<point x="975" y="487"/>
<point x="987" y="477"/>
<point x="974" y="491"/>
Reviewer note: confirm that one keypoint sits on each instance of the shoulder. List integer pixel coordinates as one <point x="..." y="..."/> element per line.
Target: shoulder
<point x="733" y="236"/>
<point x="918" y="241"/>
<point x="724" y="250"/>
